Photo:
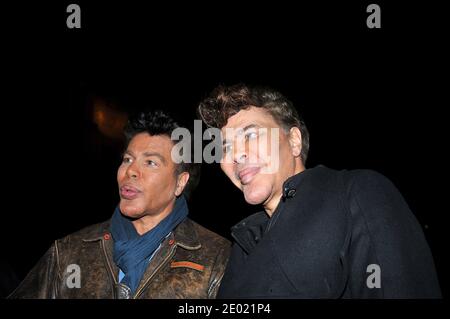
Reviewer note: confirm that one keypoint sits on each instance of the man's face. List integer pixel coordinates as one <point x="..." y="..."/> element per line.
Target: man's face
<point x="146" y="178"/>
<point x="259" y="174"/>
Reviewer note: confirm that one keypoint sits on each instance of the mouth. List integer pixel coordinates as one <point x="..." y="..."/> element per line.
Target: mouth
<point x="246" y="175"/>
<point x="129" y="192"/>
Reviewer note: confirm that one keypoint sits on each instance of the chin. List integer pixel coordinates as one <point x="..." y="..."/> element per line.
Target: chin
<point x="256" y="195"/>
<point x="130" y="210"/>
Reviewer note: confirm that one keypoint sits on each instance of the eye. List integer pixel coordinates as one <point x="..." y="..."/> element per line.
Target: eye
<point x="152" y="163"/>
<point x="250" y="135"/>
<point x="126" y="160"/>
<point x="227" y="148"/>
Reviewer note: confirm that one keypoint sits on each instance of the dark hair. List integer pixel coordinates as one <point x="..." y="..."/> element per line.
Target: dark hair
<point x="158" y="122"/>
<point x="225" y="101"/>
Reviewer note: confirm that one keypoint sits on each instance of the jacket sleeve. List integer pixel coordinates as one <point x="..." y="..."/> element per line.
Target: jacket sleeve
<point x="218" y="271"/>
<point x="388" y="242"/>
<point x="40" y="282"/>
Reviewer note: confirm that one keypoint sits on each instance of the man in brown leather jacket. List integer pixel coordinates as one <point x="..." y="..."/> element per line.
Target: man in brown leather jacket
<point x="149" y="248"/>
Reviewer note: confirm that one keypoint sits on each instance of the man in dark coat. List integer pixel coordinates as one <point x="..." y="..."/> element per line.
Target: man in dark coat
<point x="322" y="233"/>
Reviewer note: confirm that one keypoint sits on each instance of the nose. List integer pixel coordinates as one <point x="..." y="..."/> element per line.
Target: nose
<point x="240" y="159"/>
<point x="240" y="155"/>
<point x="133" y="171"/>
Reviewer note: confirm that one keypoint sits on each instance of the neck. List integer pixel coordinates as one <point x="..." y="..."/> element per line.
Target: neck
<point x="148" y="222"/>
<point x="272" y="203"/>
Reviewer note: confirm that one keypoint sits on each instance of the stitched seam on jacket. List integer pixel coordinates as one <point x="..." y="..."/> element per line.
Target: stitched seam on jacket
<point x="369" y="233"/>
<point x="58" y="272"/>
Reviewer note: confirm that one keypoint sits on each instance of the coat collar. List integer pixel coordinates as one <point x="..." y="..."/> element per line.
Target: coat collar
<point x="184" y="234"/>
<point x="293" y="183"/>
<point x="248" y="232"/>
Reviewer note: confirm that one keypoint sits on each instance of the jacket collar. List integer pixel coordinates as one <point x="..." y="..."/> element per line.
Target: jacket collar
<point x="97" y="233"/>
<point x="248" y="232"/>
<point x="184" y="234"/>
<point x="292" y="184"/>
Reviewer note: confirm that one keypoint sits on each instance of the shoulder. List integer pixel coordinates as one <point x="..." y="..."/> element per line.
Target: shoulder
<point x="87" y="234"/>
<point x="366" y="180"/>
<point x="365" y="175"/>
<point x="207" y="238"/>
<point x="329" y="179"/>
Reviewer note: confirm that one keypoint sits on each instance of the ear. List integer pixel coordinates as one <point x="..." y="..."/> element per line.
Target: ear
<point x="295" y="141"/>
<point x="182" y="180"/>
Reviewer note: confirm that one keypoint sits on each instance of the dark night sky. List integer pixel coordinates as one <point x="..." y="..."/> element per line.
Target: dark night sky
<point x="370" y="98"/>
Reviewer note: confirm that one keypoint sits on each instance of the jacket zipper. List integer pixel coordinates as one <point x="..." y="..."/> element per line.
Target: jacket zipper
<point x="171" y="253"/>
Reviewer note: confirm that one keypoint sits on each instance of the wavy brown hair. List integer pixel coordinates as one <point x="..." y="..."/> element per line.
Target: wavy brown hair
<point x="225" y="101"/>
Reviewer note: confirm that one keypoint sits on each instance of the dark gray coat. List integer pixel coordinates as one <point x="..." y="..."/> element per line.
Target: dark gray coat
<point x="326" y="235"/>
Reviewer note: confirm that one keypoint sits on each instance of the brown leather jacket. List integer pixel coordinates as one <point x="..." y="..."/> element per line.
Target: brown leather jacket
<point x="189" y="264"/>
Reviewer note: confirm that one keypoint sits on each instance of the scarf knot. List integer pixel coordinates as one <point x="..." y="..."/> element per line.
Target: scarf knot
<point x="132" y="251"/>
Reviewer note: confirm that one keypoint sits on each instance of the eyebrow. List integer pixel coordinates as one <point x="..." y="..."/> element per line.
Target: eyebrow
<point x="243" y="130"/>
<point x="148" y="154"/>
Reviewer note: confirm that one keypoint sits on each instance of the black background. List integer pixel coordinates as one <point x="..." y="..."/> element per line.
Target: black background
<point x="371" y="98"/>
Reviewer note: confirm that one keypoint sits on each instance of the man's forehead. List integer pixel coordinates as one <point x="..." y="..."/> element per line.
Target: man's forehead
<point x="144" y="142"/>
<point x="249" y="120"/>
<point x="253" y="116"/>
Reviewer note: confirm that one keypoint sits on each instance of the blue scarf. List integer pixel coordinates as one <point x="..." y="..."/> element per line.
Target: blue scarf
<point x="131" y="251"/>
